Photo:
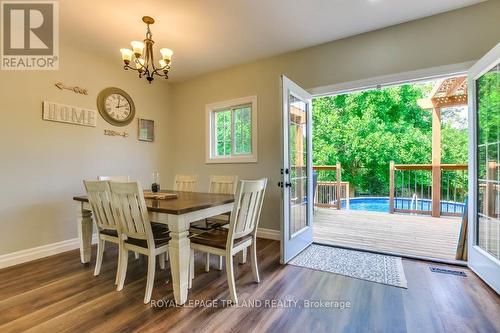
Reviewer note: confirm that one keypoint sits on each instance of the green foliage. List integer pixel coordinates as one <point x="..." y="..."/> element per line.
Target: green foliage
<point x="235" y="123"/>
<point x="365" y="130"/>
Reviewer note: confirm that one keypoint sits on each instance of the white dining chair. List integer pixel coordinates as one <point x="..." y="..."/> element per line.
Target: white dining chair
<point x="222" y="185"/>
<point x="137" y="234"/>
<point x="185" y="183"/>
<point x="99" y="195"/>
<point x="122" y="179"/>
<point x="240" y="235"/>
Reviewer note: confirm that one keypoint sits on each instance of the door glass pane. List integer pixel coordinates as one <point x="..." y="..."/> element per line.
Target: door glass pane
<point x="298" y="164"/>
<point x="488" y="151"/>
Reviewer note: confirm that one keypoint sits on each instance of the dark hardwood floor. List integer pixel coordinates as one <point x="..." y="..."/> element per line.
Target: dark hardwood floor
<point x="58" y="294"/>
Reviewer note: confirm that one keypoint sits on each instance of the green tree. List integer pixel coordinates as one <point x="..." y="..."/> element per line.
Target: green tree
<point x="365" y="130"/>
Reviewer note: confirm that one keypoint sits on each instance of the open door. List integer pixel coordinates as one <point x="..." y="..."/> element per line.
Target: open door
<point x="484" y="168"/>
<point x="297" y="199"/>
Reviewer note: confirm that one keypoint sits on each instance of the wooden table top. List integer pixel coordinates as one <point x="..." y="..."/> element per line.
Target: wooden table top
<point x="184" y="203"/>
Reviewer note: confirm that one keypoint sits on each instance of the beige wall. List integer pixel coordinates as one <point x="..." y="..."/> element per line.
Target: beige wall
<point x="449" y="38"/>
<point x="42" y="163"/>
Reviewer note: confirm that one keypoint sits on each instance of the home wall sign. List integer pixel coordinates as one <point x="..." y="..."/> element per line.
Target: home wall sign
<point x="74" y="89"/>
<point x="69" y="114"/>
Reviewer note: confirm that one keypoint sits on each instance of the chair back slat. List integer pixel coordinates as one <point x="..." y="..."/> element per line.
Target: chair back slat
<point x="99" y="195"/>
<point x="223" y="184"/>
<point x="247" y="207"/>
<point x="185" y="183"/>
<point x="122" y="179"/>
<point x="131" y="210"/>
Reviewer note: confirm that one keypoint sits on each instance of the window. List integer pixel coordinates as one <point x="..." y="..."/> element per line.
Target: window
<point x="232" y="131"/>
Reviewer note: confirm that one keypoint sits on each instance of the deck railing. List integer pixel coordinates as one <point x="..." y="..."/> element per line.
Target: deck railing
<point x="417" y="189"/>
<point x="330" y="189"/>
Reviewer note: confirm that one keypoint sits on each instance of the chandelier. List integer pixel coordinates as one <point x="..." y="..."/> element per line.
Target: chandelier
<point x="142" y="56"/>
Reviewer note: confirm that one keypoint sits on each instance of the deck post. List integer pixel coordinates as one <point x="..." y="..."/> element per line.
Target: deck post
<point x="436" y="162"/>
<point x="338" y="179"/>
<point x="391" y="187"/>
<point x="347" y="195"/>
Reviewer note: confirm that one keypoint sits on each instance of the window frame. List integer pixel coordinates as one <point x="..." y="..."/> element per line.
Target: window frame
<point x="211" y="139"/>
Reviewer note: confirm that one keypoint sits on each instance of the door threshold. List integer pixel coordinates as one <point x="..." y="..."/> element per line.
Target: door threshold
<point x="394" y="254"/>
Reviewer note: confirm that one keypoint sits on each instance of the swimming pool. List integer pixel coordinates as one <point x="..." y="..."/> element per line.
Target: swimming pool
<point x="381" y="204"/>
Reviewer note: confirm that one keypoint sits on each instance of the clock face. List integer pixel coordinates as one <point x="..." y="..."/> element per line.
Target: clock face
<point x="117" y="107"/>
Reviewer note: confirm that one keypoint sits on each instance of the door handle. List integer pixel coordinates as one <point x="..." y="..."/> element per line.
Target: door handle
<point x="286" y="184"/>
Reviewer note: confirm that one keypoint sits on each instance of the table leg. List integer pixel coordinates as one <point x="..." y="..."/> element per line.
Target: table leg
<point x="179" y="250"/>
<point x="84" y="225"/>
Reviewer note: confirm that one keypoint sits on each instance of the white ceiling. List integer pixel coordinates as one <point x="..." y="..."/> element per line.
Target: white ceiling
<point x="212" y="34"/>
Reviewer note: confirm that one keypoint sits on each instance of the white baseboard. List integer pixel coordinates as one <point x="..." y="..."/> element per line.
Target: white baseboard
<point x="19" y="257"/>
<point x="268" y="234"/>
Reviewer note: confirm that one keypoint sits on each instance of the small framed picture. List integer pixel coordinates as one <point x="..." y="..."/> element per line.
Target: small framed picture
<point x="146" y="130"/>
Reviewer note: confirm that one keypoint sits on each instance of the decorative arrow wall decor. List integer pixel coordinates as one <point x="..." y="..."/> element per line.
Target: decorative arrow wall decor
<point x="74" y="89"/>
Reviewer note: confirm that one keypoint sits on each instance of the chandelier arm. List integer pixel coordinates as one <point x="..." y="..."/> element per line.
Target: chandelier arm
<point x="127" y="67"/>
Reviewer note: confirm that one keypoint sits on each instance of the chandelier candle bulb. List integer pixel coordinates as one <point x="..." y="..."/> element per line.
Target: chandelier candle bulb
<point x="138" y="47"/>
<point x="139" y="64"/>
<point x="166" y="54"/>
<point x="126" y="55"/>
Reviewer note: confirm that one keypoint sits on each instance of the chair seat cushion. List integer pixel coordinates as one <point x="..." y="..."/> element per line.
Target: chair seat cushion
<point x="217" y="238"/>
<point x="109" y="232"/>
<point x="157" y="225"/>
<point x="211" y="223"/>
<point x="161" y="237"/>
<point x="219" y="219"/>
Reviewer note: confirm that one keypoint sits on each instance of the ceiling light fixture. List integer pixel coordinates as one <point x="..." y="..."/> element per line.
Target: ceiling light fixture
<point x="142" y="56"/>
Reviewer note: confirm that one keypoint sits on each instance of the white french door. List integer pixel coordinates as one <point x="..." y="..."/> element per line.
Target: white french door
<point x="297" y="202"/>
<point x="484" y="168"/>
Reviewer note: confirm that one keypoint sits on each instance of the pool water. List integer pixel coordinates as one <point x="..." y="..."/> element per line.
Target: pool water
<point x="381" y="204"/>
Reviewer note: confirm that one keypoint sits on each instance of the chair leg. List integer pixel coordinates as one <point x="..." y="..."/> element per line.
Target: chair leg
<point x="136" y="255"/>
<point x="150" y="278"/>
<point x="119" y="265"/>
<point x="230" y="278"/>
<point x="243" y="256"/>
<point x="207" y="262"/>
<point x="253" y="258"/>
<point x="166" y="255"/>
<point x="123" y="267"/>
<point x="220" y="263"/>
<point x="162" y="261"/>
<point x="191" y="269"/>
<point x="100" y="253"/>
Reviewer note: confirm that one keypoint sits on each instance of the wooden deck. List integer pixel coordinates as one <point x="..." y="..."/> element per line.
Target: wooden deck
<point x="411" y="235"/>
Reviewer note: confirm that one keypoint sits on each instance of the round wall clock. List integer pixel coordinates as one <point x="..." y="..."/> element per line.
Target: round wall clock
<point x="116" y="106"/>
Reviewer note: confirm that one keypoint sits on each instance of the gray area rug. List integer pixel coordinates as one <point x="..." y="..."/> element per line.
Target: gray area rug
<point x="357" y="264"/>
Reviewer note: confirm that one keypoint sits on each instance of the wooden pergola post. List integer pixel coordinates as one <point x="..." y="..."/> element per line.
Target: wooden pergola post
<point x="436" y="162"/>
<point x="445" y="93"/>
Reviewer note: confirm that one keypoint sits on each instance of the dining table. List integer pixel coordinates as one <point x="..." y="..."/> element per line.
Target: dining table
<point x="178" y="212"/>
